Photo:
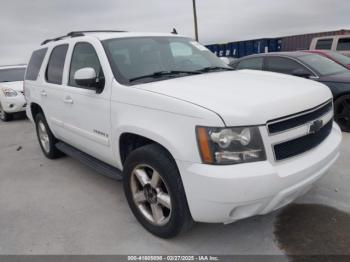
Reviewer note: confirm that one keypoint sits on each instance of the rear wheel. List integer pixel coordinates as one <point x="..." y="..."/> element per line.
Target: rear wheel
<point x="342" y="112"/>
<point x="155" y="193"/>
<point x="46" y="139"/>
<point x="5" y="116"/>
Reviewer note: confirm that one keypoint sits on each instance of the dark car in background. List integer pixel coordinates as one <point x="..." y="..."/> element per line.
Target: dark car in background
<point x="311" y="66"/>
<point x="335" y="56"/>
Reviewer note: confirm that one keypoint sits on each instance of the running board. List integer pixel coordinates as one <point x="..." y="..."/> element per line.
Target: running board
<point x="99" y="166"/>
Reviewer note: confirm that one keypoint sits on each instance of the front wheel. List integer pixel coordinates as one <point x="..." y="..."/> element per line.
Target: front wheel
<point x="342" y="112"/>
<point x="155" y="193"/>
<point x="5" y="116"/>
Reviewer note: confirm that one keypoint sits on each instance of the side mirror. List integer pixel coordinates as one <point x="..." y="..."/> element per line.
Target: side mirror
<point x="301" y="73"/>
<point x="225" y="60"/>
<point x="86" y="77"/>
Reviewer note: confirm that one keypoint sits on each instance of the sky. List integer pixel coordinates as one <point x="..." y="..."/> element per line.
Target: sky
<point x="24" y="24"/>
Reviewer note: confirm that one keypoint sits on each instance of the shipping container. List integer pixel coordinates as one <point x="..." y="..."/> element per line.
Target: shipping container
<point x="302" y="42"/>
<point x="264" y="45"/>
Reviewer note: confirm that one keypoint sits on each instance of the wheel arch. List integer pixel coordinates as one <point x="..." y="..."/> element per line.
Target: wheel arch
<point x="131" y="140"/>
<point x="35" y="109"/>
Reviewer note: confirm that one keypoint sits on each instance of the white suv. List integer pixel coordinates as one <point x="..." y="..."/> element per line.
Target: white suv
<point x="191" y="139"/>
<point x="11" y="91"/>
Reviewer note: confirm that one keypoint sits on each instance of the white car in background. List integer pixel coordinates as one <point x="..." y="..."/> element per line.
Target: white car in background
<point x="12" y="99"/>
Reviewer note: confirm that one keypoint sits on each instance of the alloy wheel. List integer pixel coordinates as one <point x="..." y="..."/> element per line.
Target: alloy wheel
<point x="43" y="136"/>
<point x="151" y="194"/>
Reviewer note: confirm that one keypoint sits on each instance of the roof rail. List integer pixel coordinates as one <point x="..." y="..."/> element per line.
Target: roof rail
<point x="80" y="33"/>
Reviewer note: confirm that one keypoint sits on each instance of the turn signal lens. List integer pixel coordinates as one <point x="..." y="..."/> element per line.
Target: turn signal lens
<point x="204" y="147"/>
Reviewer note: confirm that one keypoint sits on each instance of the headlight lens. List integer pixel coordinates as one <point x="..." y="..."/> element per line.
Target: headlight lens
<point x="9" y="92"/>
<point x="228" y="146"/>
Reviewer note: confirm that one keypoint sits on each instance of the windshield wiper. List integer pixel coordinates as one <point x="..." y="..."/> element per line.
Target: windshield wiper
<point x="214" y="68"/>
<point x="164" y="73"/>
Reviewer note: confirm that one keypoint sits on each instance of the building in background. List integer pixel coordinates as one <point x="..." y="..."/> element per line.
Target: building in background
<point x="265" y="45"/>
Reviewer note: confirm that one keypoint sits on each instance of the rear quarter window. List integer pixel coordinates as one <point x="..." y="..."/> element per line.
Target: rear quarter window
<point x="35" y="63"/>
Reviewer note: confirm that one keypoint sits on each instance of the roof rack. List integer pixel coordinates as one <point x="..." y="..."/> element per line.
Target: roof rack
<point x="80" y="33"/>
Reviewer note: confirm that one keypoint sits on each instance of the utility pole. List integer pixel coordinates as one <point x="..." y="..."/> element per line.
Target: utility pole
<point x="195" y="19"/>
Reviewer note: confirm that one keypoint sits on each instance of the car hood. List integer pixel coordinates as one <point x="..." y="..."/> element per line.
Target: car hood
<point x="17" y="86"/>
<point x="338" y="78"/>
<point x="245" y="97"/>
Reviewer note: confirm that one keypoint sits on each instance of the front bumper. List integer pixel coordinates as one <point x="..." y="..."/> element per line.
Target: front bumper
<point x="224" y="194"/>
<point x="14" y="104"/>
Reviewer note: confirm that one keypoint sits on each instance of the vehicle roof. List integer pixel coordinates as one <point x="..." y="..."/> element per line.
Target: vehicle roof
<point x="330" y="36"/>
<point x="285" y="54"/>
<point x="110" y="35"/>
<point x="13" y="66"/>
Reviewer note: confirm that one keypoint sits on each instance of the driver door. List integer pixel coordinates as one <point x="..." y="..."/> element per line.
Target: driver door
<point x="87" y="112"/>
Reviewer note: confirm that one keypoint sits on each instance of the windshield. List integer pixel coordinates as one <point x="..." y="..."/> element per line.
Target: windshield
<point x="12" y="74"/>
<point x="324" y="66"/>
<point x="339" y="57"/>
<point x="147" y="59"/>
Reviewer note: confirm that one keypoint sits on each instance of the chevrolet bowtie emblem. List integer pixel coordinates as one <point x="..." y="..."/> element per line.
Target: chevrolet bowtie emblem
<point x="315" y="126"/>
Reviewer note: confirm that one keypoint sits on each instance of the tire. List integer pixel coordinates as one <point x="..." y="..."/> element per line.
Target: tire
<point x="342" y="112"/>
<point x="168" y="194"/>
<point x="45" y="137"/>
<point x="5" y="116"/>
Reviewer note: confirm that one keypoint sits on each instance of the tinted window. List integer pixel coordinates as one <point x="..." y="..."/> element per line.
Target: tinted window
<point x="283" y="65"/>
<point x="325" y="44"/>
<point x="35" y="64"/>
<point x="252" y="63"/>
<point x="343" y="44"/>
<point x="323" y="65"/>
<point x="54" y="71"/>
<point x="12" y="75"/>
<point x="84" y="55"/>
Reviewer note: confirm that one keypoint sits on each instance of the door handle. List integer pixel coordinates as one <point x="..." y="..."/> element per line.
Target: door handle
<point x="43" y="93"/>
<point x="68" y="100"/>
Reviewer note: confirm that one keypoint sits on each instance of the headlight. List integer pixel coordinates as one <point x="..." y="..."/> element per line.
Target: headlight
<point x="228" y="146"/>
<point x="9" y="92"/>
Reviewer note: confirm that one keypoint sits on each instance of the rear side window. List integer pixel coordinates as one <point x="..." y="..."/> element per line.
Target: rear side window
<point x="35" y="64"/>
<point x="283" y="65"/>
<point x="252" y="63"/>
<point x="324" y="44"/>
<point x="343" y="44"/>
<point x="54" y="71"/>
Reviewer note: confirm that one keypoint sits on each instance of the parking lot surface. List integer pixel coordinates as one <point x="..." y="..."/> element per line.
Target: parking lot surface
<point x="64" y="207"/>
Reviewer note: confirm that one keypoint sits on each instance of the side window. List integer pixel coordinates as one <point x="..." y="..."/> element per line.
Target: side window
<point x="35" y="63"/>
<point x="251" y="63"/>
<point x="324" y="44"/>
<point x="54" y="71"/>
<point x="84" y="55"/>
<point x="343" y="44"/>
<point x="283" y="65"/>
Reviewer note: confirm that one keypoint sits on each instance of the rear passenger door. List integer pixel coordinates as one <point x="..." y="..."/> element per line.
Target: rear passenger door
<point x="87" y="113"/>
<point x="51" y="91"/>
